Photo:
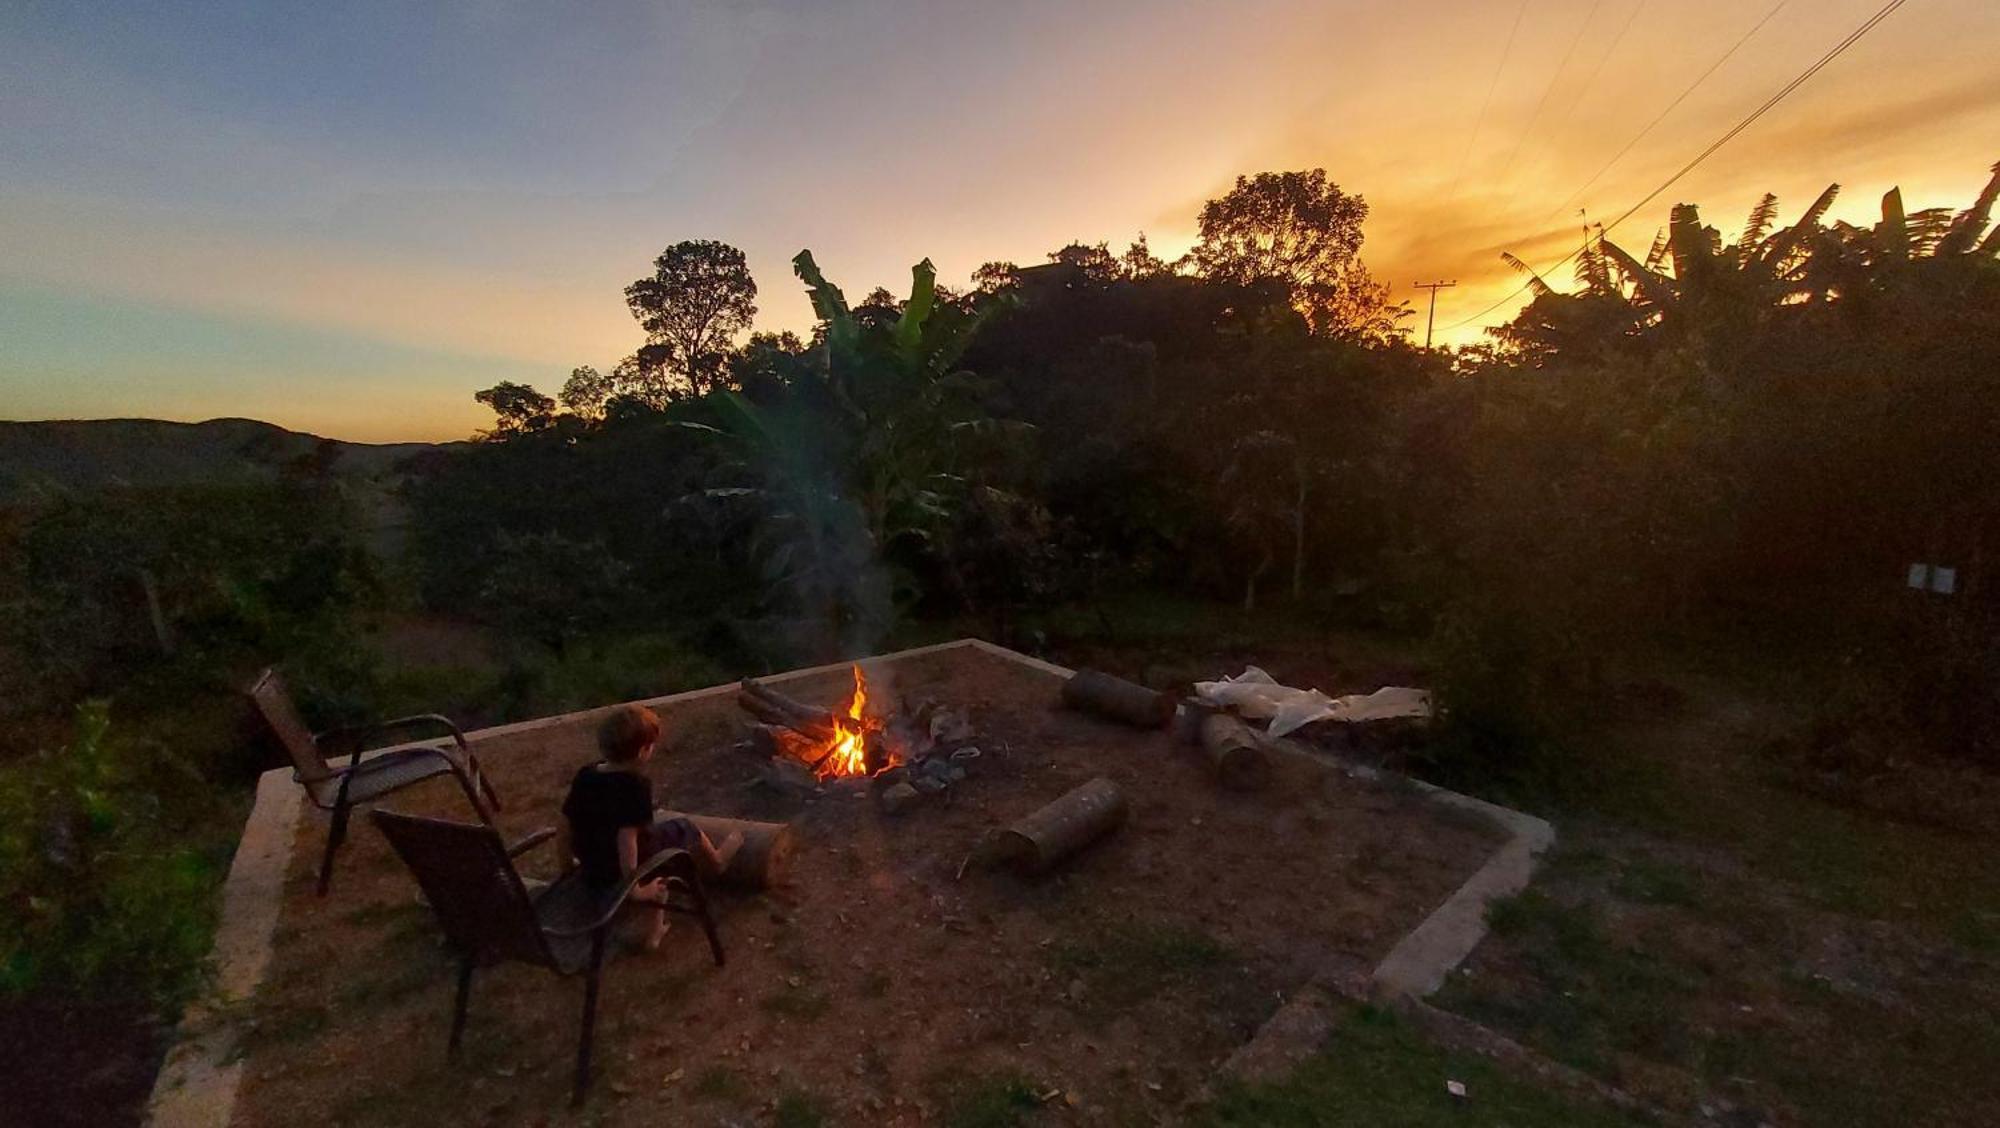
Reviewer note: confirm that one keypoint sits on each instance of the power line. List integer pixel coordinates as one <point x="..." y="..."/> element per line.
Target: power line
<point x="1550" y="86"/>
<point x="1770" y="103"/>
<point x="1630" y="18"/>
<point x="1671" y="106"/>
<point x="1433" y="287"/>
<point x="1479" y="122"/>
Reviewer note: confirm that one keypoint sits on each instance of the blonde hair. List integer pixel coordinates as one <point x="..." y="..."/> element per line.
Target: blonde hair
<point x="626" y="731"/>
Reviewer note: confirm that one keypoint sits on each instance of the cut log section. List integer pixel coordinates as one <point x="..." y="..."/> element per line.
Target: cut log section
<point x="763" y="858"/>
<point x="1117" y="699"/>
<point x="1036" y="843"/>
<point x="777" y="742"/>
<point x="774" y="708"/>
<point x="1234" y="756"/>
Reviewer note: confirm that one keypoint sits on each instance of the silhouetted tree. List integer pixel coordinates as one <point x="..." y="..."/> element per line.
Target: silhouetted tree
<point x="519" y="408"/>
<point x="584" y="393"/>
<point x="769" y="363"/>
<point x="1094" y="261"/>
<point x="1301" y="229"/>
<point x="699" y="297"/>
<point x="993" y="277"/>
<point x="1140" y="262"/>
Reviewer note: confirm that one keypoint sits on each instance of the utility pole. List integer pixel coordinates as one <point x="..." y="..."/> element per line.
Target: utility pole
<point x="1433" y="287"/>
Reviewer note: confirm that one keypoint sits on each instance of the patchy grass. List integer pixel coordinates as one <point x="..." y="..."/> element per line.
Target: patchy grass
<point x="721" y="1083"/>
<point x="1739" y="994"/>
<point x="797" y="1108"/>
<point x="801" y="1002"/>
<point x="1378" y="1073"/>
<point x="1595" y="997"/>
<point x="996" y="1100"/>
<point x="1121" y="963"/>
<point x="1652" y="882"/>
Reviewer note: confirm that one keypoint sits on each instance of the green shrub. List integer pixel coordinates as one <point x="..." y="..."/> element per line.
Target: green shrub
<point x="1507" y="700"/>
<point x="105" y="891"/>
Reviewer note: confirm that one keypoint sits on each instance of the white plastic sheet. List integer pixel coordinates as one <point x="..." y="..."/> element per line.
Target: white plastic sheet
<point x="1257" y="695"/>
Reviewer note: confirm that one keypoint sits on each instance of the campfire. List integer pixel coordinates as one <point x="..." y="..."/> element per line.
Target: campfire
<point x="905" y="752"/>
<point x="833" y="744"/>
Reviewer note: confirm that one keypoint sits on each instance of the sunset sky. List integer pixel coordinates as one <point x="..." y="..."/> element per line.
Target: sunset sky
<point x="347" y="217"/>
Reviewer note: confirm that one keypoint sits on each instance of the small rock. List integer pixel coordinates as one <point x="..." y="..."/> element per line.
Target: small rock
<point x="670" y="1078"/>
<point x="899" y="798"/>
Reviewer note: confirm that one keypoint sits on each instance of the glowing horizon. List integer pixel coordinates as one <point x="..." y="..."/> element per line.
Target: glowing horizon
<point x="347" y="222"/>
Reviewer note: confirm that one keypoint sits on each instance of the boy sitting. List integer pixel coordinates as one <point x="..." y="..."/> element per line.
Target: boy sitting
<point x="609" y="825"/>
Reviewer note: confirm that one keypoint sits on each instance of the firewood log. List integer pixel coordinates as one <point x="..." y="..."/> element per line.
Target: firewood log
<point x="1117" y="699"/>
<point x="762" y="859"/>
<point x="1233" y="754"/>
<point x="1036" y="843"/>
<point x="786" y="713"/>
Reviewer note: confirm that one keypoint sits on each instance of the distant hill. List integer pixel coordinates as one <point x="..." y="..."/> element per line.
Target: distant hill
<point x="87" y="453"/>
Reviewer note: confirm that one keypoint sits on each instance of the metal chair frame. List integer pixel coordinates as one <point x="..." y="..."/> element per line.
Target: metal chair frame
<point x="490" y="916"/>
<point x="339" y="789"/>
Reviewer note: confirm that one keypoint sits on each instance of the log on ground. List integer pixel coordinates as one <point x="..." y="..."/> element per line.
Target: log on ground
<point x="763" y="858"/>
<point x="1116" y="699"/>
<point x="1041" y="840"/>
<point x="1234" y="755"/>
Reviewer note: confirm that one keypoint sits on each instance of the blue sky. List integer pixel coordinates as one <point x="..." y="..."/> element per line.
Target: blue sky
<point x="347" y="218"/>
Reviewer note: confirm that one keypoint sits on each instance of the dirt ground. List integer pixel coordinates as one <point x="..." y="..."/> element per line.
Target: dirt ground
<point x="874" y="988"/>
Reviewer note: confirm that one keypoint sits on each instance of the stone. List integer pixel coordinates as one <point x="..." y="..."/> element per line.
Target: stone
<point x="899" y="798"/>
<point x="787" y="777"/>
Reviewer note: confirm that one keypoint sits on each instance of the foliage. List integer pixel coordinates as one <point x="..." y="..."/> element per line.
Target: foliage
<point x="550" y="588"/>
<point x="698" y="299"/>
<point x="518" y="408"/>
<point x="1304" y="231"/>
<point x="1769" y="428"/>
<point x="1375" y="1070"/>
<point x="106" y="887"/>
<point x="855" y="465"/>
<point x="177" y="583"/>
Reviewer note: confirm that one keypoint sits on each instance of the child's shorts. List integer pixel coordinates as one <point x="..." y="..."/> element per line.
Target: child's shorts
<point x="673" y="833"/>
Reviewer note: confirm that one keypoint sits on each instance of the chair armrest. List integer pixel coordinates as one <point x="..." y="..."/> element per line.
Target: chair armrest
<point x="357" y="736"/>
<point x="534" y="839"/>
<point x="643" y="872"/>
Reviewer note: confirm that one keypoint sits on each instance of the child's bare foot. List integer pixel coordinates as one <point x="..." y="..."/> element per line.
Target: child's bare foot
<point x="658" y="933"/>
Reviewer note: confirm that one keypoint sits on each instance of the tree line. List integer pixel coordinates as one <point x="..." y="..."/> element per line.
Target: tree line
<point x="1716" y="434"/>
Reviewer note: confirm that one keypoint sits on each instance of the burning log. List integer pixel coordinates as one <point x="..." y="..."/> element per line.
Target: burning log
<point x="762" y="859"/>
<point x="1117" y="699"/>
<point x="1037" y="842"/>
<point x="774" y="708"/>
<point x="1238" y="761"/>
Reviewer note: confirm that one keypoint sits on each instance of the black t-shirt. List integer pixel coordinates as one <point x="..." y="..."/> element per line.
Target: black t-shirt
<point x="603" y="801"/>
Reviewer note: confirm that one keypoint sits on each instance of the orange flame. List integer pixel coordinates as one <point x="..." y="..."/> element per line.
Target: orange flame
<point x="849" y="755"/>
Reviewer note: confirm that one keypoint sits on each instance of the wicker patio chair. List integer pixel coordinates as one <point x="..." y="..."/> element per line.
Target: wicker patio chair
<point x="340" y="789"/>
<point x="489" y="915"/>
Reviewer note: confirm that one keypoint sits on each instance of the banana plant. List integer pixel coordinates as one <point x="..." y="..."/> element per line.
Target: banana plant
<point x="871" y="452"/>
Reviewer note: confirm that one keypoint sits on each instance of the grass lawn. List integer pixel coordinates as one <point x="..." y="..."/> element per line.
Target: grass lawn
<point x="1378" y="1072"/>
<point x="1709" y="932"/>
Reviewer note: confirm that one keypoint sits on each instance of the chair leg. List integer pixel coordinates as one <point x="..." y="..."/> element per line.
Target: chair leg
<point x="582" y="1083"/>
<point x="707" y="919"/>
<point x="458" y="1008"/>
<point x="335" y="835"/>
